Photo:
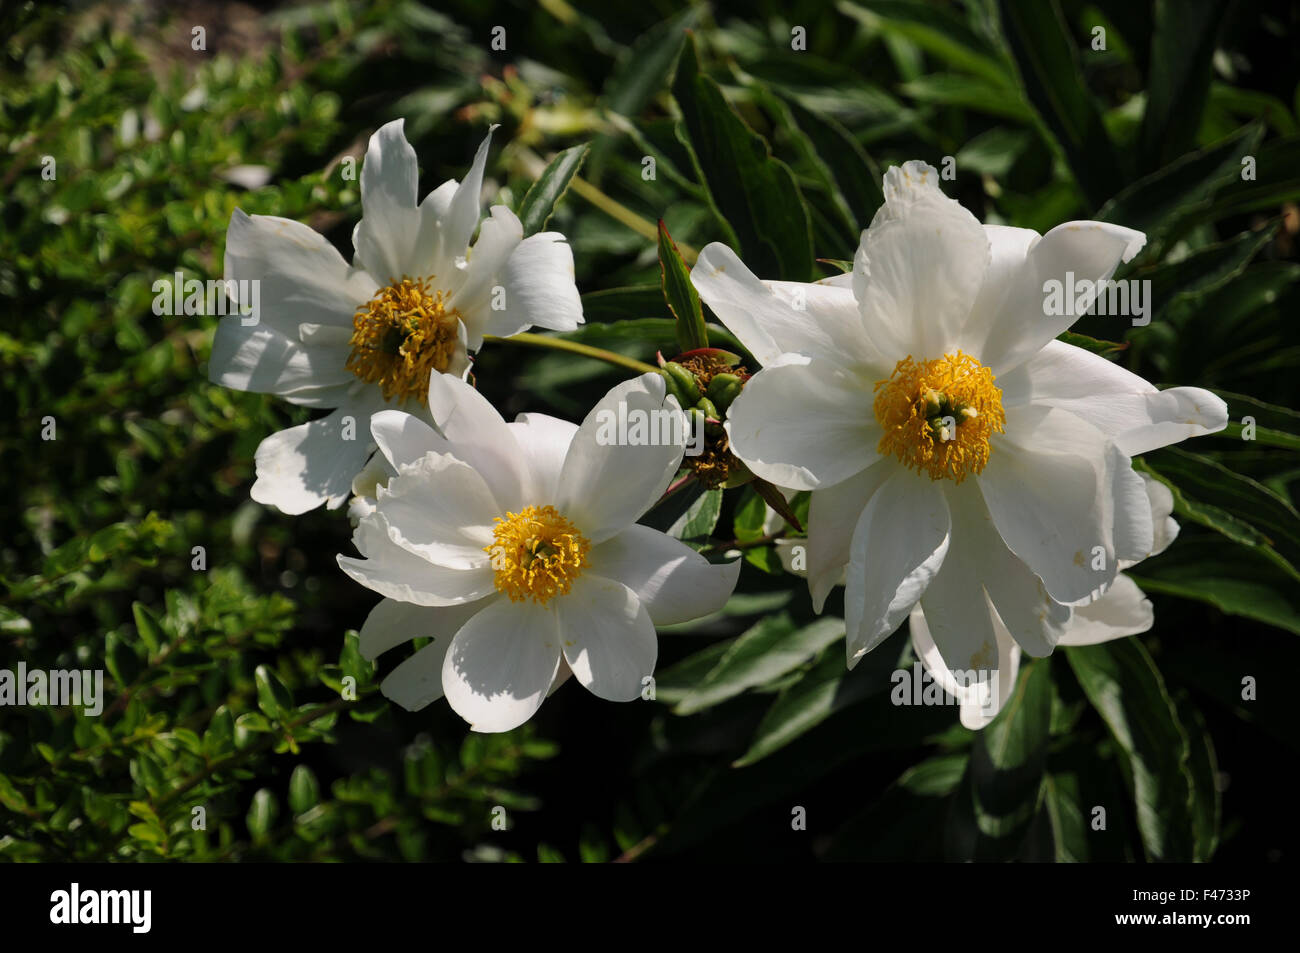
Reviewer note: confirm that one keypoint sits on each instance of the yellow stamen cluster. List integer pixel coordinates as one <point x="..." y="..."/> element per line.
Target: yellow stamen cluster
<point x="536" y="554"/>
<point x="938" y="415"/>
<point x="400" y="336"/>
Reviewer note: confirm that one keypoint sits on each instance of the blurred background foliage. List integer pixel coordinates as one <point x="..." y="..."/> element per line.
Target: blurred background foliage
<point x="223" y="681"/>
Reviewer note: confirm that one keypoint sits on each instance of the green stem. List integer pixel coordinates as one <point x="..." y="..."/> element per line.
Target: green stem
<point x="529" y="339"/>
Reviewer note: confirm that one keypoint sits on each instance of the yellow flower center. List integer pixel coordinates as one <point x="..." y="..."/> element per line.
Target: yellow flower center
<point x="400" y="336"/>
<point x="938" y="415"/>
<point x="536" y="554"/>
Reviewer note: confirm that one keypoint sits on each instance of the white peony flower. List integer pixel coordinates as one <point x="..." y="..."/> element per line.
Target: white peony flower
<point x="515" y="548"/>
<point x="364" y="337"/>
<point x="1121" y="610"/>
<point x="961" y="458"/>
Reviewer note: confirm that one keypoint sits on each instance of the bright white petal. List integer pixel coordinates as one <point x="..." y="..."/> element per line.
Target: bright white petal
<point x="1048" y="486"/>
<point x="499" y="235"/>
<point x="404" y="438"/>
<point x="392" y="623"/>
<point x="440" y="508"/>
<point x="465" y="206"/>
<point x="264" y="361"/>
<point x="385" y="238"/>
<point x="1089" y="251"/>
<point x="1122" y="610"/>
<point x="982" y="696"/>
<point x="673" y="581"/>
<point x="300" y="468"/>
<point x="476" y="434"/>
<point x="544" y="442"/>
<point x="393" y="571"/>
<point x="919" y="266"/>
<point x="501" y="664"/>
<point x="537" y="289"/>
<point x="773" y="318"/>
<point x="833" y="515"/>
<point x="608" y="638"/>
<point x="605" y="486"/>
<point x="898" y="546"/>
<point x="804" y="425"/>
<point x="300" y="277"/>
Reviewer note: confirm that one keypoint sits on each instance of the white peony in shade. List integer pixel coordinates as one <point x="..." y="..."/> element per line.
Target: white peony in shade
<point x="961" y="459"/>
<point x="515" y="547"/>
<point x="364" y="337"/>
<point x="1121" y="610"/>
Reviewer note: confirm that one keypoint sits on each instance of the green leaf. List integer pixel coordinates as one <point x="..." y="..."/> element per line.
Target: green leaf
<point x="938" y="30"/>
<point x="273" y="696"/>
<point x="1047" y="59"/>
<point x="1240" y="508"/>
<point x="1006" y="770"/>
<point x="1123" y="684"/>
<point x="907" y="821"/>
<point x="754" y="195"/>
<point x="1156" y="203"/>
<point x="698" y="521"/>
<point x="1276" y="181"/>
<point x="1178" y="81"/>
<point x="642" y="71"/>
<point x="147" y="624"/>
<point x="1065" y="813"/>
<point x="621" y="304"/>
<point x="826" y="688"/>
<point x="1235" y="579"/>
<point x="11" y="797"/>
<point x="304" y="791"/>
<point x="764" y="652"/>
<point x="262" y="814"/>
<point x="680" y="295"/>
<point x="1204" y="766"/>
<point x="544" y="194"/>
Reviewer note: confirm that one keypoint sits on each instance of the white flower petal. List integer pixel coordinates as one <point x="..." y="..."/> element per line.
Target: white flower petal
<point x="301" y="278"/>
<point x="673" y="581"/>
<point x="501" y="664"/>
<point x="1032" y="617"/>
<point x="1047" y="486"/>
<point x="767" y="318"/>
<point x="957" y="611"/>
<point x="302" y="467"/>
<point x="833" y="515"/>
<point x="804" y="425"/>
<point x="898" y="546"/>
<point x="1007" y="250"/>
<point x="608" y="638"/>
<point x="605" y="488"/>
<point x="538" y="289"/>
<point x="544" y="442"/>
<point x="392" y="623"/>
<point x="385" y="238"/>
<point x="404" y="438"/>
<point x="1090" y="250"/>
<point x="1175" y="414"/>
<point x="264" y="361"/>
<point x="919" y="266"/>
<point x="1122" y="610"/>
<point x="440" y="508"/>
<point x="1117" y="402"/>
<point x="476" y="434"/>
<point x="398" y="573"/>
<point x="981" y="698"/>
<point x="498" y="237"/>
<point x="466" y="205"/>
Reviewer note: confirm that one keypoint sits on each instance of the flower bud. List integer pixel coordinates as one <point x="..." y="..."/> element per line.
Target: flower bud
<point x="681" y="384"/>
<point x="723" y="389"/>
